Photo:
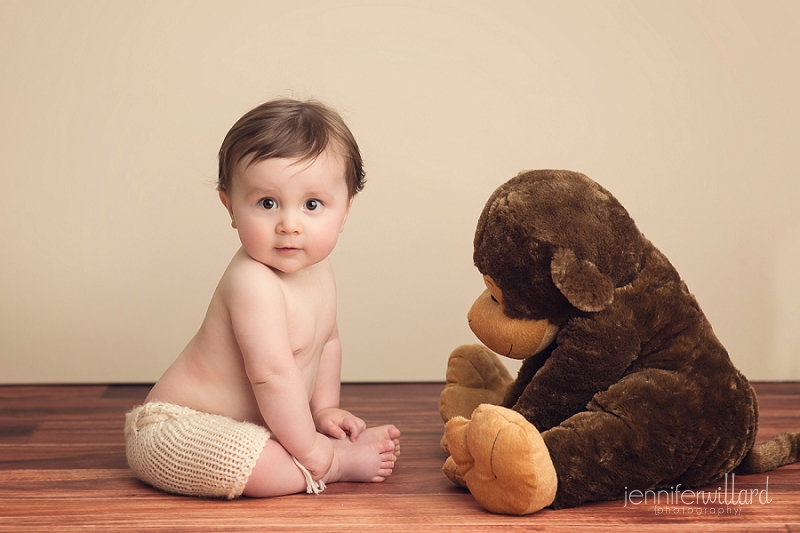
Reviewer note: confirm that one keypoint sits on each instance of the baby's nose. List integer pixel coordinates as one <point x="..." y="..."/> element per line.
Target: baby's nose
<point x="289" y="223"/>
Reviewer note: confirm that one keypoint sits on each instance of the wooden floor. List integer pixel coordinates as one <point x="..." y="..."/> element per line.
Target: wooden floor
<point x="62" y="467"/>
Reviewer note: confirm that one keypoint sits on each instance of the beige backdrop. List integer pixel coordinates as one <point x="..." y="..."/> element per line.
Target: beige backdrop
<point x="112" y="238"/>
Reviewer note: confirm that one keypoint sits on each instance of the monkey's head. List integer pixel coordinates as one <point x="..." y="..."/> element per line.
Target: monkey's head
<point x="550" y="244"/>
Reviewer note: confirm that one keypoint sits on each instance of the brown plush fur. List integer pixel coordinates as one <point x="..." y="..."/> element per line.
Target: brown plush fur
<point x="636" y="392"/>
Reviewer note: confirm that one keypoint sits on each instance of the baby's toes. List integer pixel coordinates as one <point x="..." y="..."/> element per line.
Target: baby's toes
<point x="386" y="446"/>
<point x="388" y="457"/>
<point x="385" y="470"/>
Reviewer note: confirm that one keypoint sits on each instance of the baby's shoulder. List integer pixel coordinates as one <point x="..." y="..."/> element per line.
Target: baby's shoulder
<point x="246" y="274"/>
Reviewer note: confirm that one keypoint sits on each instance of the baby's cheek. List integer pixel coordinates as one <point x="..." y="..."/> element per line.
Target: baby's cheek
<point x="326" y="243"/>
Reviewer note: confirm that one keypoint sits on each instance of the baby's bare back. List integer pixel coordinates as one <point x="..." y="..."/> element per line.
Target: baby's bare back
<point x="210" y="375"/>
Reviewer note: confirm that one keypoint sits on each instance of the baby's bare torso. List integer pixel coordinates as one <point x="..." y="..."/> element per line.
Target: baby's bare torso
<point x="209" y="375"/>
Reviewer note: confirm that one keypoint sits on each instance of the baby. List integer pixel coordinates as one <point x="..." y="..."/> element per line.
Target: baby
<point x="251" y="405"/>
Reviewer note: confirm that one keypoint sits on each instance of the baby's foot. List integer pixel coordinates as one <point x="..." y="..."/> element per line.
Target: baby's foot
<point x="375" y="434"/>
<point x="370" y="458"/>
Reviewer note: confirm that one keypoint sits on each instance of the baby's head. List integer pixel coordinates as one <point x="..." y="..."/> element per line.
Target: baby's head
<point x="291" y="129"/>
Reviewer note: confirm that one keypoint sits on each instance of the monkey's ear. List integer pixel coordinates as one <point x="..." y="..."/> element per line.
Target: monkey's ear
<point x="581" y="282"/>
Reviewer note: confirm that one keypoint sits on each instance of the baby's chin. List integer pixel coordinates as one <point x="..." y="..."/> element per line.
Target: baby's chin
<point x="285" y="263"/>
<point x="288" y="267"/>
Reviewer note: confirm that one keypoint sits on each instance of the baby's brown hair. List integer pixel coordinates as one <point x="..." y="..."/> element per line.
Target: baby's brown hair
<point x="288" y="128"/>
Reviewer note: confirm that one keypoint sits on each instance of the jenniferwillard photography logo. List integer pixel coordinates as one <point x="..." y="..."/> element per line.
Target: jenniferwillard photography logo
<point x="726" y="500"/>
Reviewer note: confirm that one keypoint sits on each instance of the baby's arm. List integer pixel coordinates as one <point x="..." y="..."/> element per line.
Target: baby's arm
<point x="258" y="317"/>
<point x="329" y="419"/>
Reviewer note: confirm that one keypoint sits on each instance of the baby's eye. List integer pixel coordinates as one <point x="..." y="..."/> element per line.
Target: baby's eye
<point x="268" y="203"/>
<point x="494" y="299"/>
<point x="313" y="205"/>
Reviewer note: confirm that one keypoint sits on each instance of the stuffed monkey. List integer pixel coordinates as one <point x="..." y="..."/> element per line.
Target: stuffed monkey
<point x="624" y="385"/>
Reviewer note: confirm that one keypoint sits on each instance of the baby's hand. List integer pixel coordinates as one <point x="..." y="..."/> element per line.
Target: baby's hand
<point x="339" y="423"/>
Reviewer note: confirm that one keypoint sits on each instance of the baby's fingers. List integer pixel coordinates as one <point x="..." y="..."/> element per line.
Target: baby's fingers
<point x="354" y="426"/>
<point x="335" y="431"/>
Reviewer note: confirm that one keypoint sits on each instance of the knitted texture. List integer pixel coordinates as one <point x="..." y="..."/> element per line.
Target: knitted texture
<point x="180" y="450"/>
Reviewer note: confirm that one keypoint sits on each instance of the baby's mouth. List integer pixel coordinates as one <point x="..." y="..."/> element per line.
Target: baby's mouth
<point x="287" y="250"/>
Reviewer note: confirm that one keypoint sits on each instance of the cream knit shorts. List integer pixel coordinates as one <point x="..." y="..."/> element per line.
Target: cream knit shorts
<point x="184" y="451"/>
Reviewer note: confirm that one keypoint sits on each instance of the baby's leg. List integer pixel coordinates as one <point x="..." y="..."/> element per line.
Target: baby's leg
<point x="275" y="474"/>
<point x="370" y="458"/>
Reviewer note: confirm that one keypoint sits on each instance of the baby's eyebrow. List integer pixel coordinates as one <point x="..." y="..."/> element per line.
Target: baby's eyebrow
<point x="316" y="194"/>
<point x="261" y="191"/>
<point x="321" y="194"/>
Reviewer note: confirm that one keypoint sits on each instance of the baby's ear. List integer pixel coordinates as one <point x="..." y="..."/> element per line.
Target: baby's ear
<point x="581" y="282"/>
<point x="347" y="213"/>
<point x="227" y="203"/>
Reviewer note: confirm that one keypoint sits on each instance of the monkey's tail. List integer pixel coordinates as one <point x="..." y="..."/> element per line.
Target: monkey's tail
<point x="781" y="450"/>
